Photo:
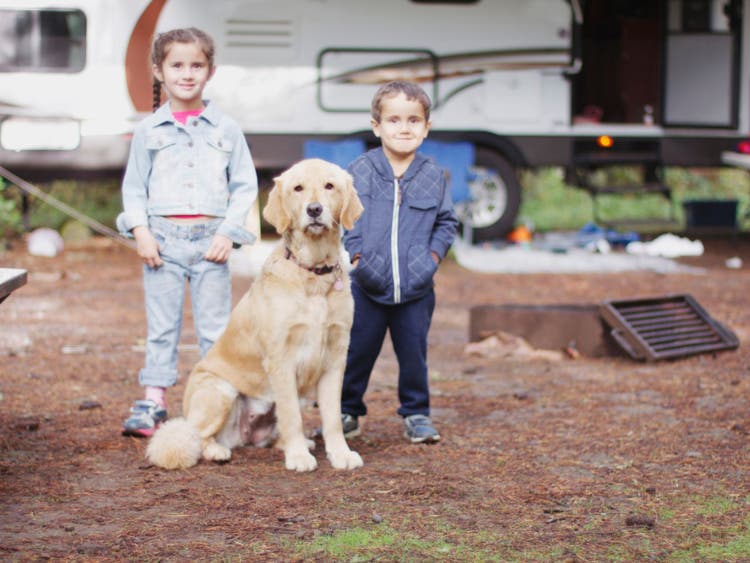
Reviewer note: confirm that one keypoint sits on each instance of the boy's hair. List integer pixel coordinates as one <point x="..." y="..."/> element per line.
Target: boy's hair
<point x="183" y="35"/>
<point x="409" y="89"/>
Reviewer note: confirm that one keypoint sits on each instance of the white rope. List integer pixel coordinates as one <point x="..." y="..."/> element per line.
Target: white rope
<point x="59" y="205"/>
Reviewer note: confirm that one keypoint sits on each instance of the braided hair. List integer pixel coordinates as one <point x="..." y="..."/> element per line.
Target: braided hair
<point x="183" y="35"/>
<point x="157" y="93"/>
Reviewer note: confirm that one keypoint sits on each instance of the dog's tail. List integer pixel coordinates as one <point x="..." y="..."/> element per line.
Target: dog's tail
<point x="176" y="444"/>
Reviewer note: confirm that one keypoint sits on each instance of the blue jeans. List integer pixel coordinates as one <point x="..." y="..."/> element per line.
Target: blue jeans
<point x="408" y="324"/>
<point x="182" y="250"/>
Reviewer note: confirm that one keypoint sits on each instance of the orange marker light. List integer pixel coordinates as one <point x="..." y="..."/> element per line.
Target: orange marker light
<point x="605" y="141"/>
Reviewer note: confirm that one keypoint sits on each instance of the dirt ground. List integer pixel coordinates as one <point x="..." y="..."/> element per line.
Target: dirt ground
<point x="588" y="459"/>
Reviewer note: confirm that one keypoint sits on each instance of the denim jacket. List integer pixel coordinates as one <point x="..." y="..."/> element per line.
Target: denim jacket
<point x="405" y="219"/>
<point x="201" y="168"/>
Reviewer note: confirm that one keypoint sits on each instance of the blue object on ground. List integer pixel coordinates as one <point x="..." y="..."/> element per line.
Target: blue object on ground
<point x="621" y="239"/>
<point x="591" y="232"/>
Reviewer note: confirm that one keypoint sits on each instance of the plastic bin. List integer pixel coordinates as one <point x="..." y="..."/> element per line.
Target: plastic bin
<point x="711" y="213"/>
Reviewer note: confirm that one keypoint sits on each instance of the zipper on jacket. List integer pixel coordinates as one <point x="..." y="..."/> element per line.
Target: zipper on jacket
<point x="394" y="242"/>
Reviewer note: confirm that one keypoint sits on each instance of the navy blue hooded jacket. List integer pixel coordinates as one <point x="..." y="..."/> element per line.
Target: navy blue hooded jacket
<point x="394" y="245"/>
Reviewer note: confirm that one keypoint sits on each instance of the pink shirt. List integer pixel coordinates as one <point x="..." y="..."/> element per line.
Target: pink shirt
<point x="182" y="116"/>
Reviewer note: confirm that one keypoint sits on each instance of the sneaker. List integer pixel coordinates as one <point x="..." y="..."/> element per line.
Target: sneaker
<point x="349" y="423"/>
<point x="145" y="417"/>
<point x="419" y="430"/>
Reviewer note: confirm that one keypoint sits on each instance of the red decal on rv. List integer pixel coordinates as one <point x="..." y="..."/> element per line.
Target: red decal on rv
<point x="137" y="59"/>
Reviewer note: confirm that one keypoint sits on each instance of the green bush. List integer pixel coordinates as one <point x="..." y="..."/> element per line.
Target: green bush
<point x="548" y="203"/>
<point x="99" y="200"/>
<point x="11" y="221"/>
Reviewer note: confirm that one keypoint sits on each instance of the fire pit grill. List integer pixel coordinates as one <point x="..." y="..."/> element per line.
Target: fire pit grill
<point x="665" y="327"/>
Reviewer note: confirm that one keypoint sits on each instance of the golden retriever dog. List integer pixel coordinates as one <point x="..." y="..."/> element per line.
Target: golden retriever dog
<point x="288" y="336"/>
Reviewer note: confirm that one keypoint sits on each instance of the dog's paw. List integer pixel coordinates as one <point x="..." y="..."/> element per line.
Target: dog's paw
<point x="301" y="460"/>
<point x="214" y="451"/>
<point x="345" y="459"/>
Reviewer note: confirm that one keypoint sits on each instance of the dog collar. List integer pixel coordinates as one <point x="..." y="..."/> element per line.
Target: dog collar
<point x="318" y="270"/>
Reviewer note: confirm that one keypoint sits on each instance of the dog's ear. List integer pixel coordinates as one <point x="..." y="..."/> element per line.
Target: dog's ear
<point x="351" y="208"/>
<point x="274" y="211"/>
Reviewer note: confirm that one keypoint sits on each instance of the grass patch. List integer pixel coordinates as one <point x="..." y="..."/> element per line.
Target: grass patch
<point x="446" y="542"/>
<point x="383" y="541"/>
<point x="716" y="506"/>
<point x="736" y="547"/>
<point x="712" y="528"/>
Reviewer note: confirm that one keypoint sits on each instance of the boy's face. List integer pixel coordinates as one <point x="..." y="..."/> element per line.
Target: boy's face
<point x="402" y="126"/>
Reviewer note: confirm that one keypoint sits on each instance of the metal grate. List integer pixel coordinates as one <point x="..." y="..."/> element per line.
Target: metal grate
<point x="665" y="327"/>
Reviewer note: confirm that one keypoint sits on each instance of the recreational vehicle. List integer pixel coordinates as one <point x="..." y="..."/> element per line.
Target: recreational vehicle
<point x="515" y="83"/>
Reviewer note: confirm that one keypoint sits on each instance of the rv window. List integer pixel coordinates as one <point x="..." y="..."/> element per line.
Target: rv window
<point x="445" y="1"/>
<point x="42" y="40"/>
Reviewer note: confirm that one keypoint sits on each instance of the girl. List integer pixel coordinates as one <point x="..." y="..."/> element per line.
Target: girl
<point x="188" y="185"/>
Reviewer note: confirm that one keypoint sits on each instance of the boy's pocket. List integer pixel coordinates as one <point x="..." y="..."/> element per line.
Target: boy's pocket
<point x="421" y="267"/>
<point x="372" y="275"/>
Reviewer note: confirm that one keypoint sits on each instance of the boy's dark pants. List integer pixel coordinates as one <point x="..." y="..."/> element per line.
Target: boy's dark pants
<point x="409" y="324"/>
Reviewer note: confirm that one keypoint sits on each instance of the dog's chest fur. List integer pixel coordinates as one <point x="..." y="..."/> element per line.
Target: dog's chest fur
<point x="319" y="328"/>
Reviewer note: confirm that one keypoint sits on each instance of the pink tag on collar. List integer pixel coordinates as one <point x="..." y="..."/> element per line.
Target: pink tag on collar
<point x="338" y="285"/>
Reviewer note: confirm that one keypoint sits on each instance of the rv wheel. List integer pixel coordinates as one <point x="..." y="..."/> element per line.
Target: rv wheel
<point x="495" y="197"/>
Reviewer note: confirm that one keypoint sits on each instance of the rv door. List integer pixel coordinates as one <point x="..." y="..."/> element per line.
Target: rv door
<point x="701" y="60"/>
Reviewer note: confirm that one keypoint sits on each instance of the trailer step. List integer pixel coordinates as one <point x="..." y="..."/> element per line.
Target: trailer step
<point x="638" y="223"/>
<point x="644" y="188"/>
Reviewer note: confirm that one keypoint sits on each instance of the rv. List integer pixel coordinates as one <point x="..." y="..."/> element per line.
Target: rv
<point x="522" y="84"/>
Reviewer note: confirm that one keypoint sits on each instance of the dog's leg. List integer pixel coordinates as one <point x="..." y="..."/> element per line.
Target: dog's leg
<point x="210" y="406"/>
<point x="292" y="440"/>
<point x="329" y="402"/>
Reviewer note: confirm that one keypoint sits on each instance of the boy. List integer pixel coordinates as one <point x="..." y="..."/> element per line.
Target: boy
<point x="407" y="227"/>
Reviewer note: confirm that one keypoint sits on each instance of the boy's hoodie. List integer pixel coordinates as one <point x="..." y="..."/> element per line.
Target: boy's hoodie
<point x="395" y="264"/>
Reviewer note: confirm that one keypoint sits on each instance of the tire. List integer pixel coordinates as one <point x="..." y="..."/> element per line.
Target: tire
<point x="495" y="197"/>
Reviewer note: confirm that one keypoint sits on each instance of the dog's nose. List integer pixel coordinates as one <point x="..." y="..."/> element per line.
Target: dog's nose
<point x="314" y="209"/>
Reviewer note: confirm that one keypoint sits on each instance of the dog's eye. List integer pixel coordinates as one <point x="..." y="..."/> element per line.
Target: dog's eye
<point x="298" y="188"/>
<point x="329" y="186"/>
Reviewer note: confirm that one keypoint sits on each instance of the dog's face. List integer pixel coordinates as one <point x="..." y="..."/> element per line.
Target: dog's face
<point x="313" y="196"/>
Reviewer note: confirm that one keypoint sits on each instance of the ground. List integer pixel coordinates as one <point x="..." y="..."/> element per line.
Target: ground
<point x="587" y="459"/>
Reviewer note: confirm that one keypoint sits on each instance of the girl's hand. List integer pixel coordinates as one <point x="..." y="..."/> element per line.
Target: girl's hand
<point x="148" y="248"/>
<point x="219" y="250"/>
